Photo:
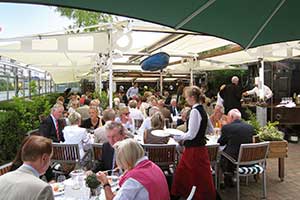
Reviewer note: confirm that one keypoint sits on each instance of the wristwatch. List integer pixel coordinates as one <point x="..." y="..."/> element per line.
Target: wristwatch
<point x="106" y="184"/>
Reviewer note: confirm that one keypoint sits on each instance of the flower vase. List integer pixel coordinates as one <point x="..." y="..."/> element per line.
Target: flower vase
<point x="95" y="192"/>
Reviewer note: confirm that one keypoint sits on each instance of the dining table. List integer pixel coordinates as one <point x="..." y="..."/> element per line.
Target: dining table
<point x="72" y="190"/>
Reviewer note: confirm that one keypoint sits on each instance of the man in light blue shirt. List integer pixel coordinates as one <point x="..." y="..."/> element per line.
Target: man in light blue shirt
<point x="132" y="91"/>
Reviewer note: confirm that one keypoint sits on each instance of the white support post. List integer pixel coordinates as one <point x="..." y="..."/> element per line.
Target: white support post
<point x="261" y="112"/>
<point x="191" y="77"/>
<point x="109" y="62"/>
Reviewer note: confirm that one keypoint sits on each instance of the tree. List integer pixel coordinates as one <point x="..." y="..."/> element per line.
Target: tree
<point x="83" y="18"/>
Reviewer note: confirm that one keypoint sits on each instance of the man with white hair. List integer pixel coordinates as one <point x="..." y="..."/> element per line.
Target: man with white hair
<point x="267" y="91"/>
<point x="233" y="134"/>
<point x="231" y="95"/>
<point x="53" y="125"/>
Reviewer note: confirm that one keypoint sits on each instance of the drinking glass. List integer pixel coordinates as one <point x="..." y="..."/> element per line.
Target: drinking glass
<point x="61" y="178"/>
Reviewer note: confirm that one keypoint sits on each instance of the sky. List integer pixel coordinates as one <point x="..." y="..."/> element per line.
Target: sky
<point x="24" y="19"/>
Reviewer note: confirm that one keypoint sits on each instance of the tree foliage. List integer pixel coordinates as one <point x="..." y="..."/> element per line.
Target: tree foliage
<point x="83" y="18"/>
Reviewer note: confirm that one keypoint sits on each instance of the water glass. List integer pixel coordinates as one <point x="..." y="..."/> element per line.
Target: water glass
<point x="77" y="178"/>
<point x="61" y="178"/>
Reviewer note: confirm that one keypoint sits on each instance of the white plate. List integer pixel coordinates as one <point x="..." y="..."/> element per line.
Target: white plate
<point x="160" y="133"/>
<point x="172" y="131"/>
<point x="59" y="189"/>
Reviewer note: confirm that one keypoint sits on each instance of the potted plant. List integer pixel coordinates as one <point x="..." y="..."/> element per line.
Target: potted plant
<point x="278" y="146"/>
<point x="93" y="183"/>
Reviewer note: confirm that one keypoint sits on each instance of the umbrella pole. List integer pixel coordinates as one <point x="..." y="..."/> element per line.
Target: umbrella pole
<point x="110" y="68"/>
<point x="100" y="80"/>
<point x="161" y="83"/>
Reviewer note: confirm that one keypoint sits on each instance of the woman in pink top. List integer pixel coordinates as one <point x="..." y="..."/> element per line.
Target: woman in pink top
<point x="142" y="179"/>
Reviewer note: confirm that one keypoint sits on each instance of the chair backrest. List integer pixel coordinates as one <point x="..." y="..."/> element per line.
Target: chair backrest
<point x="138" y="123"/>
<point x="191" y="195"/>
<point x="167" y="123"/>
<point x="213" y="152"/>
<point x="253" y="153"/>
<point x="163" y="155"/>
<point x="33" y="132"/>
<point x="5" y="168"/>
<point x="97" y="151"/>
<point x="66" y="153"/>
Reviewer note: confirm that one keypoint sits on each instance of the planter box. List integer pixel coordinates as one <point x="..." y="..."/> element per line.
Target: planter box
<point x="278" y="149"/>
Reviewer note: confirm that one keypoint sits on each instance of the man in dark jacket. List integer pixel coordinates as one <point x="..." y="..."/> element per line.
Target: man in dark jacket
<point x="231" y="95"/>
<point x="115" y="132"/>
<point x="233" y="135"/>
<point x="53" y="125"/>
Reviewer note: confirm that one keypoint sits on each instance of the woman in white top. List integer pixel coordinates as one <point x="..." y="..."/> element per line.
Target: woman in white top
<point x="74" y="134"/>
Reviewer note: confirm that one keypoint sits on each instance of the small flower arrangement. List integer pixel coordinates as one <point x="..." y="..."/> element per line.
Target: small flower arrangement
<point x="92" y="181"/>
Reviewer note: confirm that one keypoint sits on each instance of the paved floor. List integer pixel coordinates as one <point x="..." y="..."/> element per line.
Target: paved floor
<point x="289" y="189"/>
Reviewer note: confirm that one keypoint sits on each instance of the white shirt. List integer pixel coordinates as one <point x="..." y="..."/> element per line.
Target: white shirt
<point x="76" y="135"/>
<point x="219" y="100"/>
<point x="194" y="125"/>
<point x="268" y="92"/>
<point x="132" y="189"/>
<point x="132" y="91"/>
<point x="146" y="125"/>
<point x="136" y="114"/>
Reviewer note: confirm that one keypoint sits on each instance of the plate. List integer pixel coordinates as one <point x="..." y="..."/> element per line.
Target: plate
<point x="172" y="131"/>
<point x="160" y="133"/>
<point x="58" y="188"/>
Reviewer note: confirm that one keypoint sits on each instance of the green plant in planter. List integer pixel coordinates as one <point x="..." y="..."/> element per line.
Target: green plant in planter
<point x="270" y="132"/>
<point x="253" y="121"/>
<point x="92" y="181"/>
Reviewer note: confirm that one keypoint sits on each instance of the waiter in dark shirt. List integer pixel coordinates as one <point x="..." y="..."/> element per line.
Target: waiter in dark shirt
<point x="231" y="94"/>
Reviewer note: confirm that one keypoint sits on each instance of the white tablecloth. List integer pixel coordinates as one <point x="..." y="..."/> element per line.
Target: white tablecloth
<point x="81" y="194"/>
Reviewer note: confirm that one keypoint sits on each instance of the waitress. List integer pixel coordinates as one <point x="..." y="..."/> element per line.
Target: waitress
<point x="194" y="166"/>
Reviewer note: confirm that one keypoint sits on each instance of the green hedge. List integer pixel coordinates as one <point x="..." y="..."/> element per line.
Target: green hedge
<point x="17" y="117"/>
<point x="11" y="135"/>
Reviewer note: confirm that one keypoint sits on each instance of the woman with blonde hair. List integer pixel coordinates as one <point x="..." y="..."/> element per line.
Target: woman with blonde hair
<point x="142" y="179"/>
<point x="94" y="121"/>
<point x="157" y="123"/>
<point x="194" y="166"/>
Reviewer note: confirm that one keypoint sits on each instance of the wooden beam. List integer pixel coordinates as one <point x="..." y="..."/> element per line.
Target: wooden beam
<point x="227" y="49"/>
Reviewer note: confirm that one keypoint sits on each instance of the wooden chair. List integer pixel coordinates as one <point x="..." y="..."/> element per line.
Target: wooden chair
<point x="167" y="123"/>
<point x="5" y="168"/>
<point x="137" y="123"/>
<point x="97" y="151"/>
<point x="253" y="154"/>
<point x="192" y="193"/>
<point x="164" y="155"/>
<point x="33" y="132"/>
<point x="213" y="153"/>
<point x="67" y="155"/>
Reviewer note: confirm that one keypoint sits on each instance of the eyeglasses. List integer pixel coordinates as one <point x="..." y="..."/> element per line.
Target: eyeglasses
<point x="126" y="113"/>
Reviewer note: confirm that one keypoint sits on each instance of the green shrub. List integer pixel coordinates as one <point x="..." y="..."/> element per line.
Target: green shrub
<point x="103" y="97"/>
<point x="17" y="117"/>
<point x="11" y="135"/>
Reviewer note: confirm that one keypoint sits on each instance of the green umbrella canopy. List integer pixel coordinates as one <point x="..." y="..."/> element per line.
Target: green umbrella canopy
<point x="249" y="23"/>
